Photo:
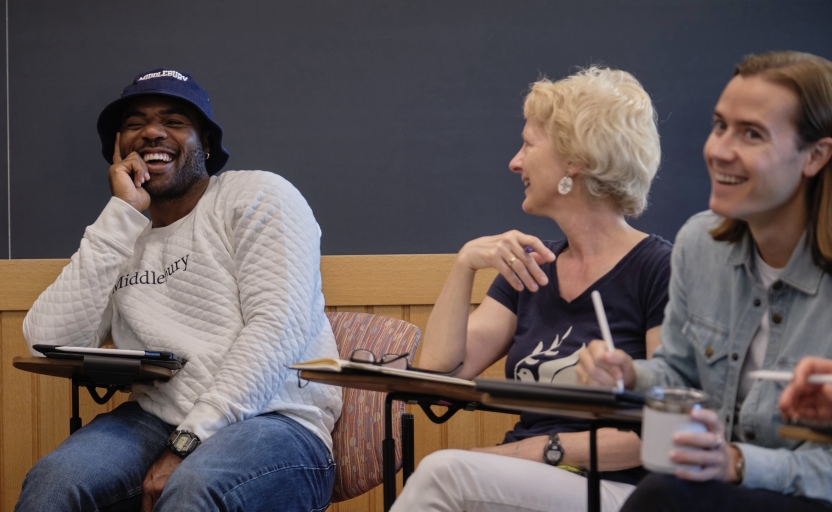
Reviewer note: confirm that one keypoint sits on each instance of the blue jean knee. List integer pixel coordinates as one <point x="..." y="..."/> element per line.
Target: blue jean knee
<point x="267" y="463"/>
<point x="99" y="467"/>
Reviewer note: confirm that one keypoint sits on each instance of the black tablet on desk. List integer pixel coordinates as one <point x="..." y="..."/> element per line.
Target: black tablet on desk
<point x="164" y="359"/>
<point x="588" y="395"/>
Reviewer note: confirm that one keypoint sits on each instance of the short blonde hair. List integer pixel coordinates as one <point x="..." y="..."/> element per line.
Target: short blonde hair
<point x="605" y="120"/>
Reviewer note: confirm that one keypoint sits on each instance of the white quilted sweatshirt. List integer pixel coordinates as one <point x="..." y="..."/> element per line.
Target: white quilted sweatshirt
<point x="234" y="287"/>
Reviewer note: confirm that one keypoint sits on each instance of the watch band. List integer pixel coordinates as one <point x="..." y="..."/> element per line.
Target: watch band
<point x="739" y="466"/>
<point x="182" y="442"/>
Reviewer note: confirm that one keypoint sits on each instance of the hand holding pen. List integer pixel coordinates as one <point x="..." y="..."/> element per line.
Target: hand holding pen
<point x="605" y="331"/>
<point x="515" y="255"/>
<point x="809" y="394"/>
<point x="601" y="364"/>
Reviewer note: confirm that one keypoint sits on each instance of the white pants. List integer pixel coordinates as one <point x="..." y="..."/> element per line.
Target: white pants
<point x="465" y="481"/>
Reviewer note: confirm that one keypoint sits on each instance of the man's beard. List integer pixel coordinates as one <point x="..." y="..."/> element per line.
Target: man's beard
<point x="182" y="180"/>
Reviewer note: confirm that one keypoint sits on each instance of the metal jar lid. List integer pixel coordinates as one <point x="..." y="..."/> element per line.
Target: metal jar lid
<point x="674" y="400"/>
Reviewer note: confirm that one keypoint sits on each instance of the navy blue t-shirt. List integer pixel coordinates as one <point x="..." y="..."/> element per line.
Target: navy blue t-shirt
<point x="551" y="331"/>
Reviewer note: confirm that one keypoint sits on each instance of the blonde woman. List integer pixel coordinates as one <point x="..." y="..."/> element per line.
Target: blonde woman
<point x="590" y="151"/>
<point x="751" y="289"/>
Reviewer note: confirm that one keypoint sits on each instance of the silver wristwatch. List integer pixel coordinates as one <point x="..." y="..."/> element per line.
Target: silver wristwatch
<point x="182" y="442"/>
<point x="553" y="452"/>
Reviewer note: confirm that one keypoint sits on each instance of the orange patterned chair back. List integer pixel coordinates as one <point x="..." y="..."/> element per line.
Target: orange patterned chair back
<point x="356" y="440"/>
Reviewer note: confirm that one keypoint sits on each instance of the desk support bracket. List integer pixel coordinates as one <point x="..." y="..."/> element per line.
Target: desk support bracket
<point x="452" y="409"/>
<point x="75" y="420"/>
<point x="99" y="399"/>
<point x="101" y="372"/>
<point x="593" y="479"/>
<point x="408" y="455"/>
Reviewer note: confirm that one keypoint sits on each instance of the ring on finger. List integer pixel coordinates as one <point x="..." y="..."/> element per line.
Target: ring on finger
<point x="512" y="260"/>
<point x="718" y="443"/>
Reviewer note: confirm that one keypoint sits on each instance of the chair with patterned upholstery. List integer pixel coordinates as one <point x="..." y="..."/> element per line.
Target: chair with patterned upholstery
<point x="358" y="434"/>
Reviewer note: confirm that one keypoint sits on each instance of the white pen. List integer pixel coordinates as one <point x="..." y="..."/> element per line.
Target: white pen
<point x="605" y="329"/>
<point x="815" y="378"/>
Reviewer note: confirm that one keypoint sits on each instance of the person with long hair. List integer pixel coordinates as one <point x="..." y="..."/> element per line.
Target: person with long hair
<point x="750" y="289"/>
<point x="590" y="151"/>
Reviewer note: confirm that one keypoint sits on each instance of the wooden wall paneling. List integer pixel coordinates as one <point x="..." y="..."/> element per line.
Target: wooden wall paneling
<point x="353" y="309"/>
<point x="54" y="406"/>
<point x="398" y="312"/>
<point x="24" y="280"/>
<point x="388" y="280"/>
<point x="19" y="431"/>
<point x="391" y="279"/>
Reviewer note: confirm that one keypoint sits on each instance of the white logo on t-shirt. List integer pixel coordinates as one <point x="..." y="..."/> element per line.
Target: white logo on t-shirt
<point x="551" y="369"/>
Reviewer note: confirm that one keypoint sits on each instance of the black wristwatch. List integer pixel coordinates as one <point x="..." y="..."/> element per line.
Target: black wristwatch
<point x="553" y="453"/>
<point x="182" y="442"/>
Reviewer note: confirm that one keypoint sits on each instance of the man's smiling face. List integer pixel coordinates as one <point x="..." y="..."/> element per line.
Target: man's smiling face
<point x="752" y="153"/>
<point x="167" y="134"/>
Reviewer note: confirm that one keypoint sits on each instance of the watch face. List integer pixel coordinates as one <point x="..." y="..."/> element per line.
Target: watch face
<point x="182" y="442"/>
<point x="553" y="455"/>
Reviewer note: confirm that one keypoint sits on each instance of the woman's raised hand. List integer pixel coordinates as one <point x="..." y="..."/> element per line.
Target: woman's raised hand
<point x="508" y="254"/>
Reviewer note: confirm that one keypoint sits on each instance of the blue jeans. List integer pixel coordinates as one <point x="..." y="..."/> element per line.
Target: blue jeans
<point x="666" y="493"/>
<point x="267" y="463"/>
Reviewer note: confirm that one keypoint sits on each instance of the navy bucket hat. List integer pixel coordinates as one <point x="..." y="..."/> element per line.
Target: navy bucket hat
<point x="164" y="82"/>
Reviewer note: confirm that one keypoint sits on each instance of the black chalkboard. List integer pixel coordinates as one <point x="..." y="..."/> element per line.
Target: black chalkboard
<point x="395" y="118"/>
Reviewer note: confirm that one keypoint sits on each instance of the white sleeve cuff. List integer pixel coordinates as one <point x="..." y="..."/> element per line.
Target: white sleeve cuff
<point x="765" y="468"/>
<point x="204" y="420"/>
<point x="645" y="378"/>
<point x="120" y="223"/>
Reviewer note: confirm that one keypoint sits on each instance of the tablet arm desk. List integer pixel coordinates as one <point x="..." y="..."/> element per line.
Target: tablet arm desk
<point x="112" y="374"/>
<point x="598" y="417"/>
<point x="415" y="391"/>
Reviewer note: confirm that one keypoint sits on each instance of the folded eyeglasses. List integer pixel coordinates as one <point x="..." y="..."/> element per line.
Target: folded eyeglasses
<point x="398" y="361"/>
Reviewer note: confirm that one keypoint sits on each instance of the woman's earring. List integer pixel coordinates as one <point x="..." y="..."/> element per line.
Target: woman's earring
<point x="207" y="156"/>
<point x="565" y="185"/>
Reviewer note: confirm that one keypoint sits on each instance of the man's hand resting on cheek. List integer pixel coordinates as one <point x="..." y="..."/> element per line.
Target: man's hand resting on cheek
<point x="127" y="176"/>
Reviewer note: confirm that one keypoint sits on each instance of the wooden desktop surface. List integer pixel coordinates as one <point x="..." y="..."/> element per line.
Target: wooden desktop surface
<point x="565" y="409"/>
<point x="804" y="434"/>
<point x="396" y="384"/>
<point x="69" y="368"/>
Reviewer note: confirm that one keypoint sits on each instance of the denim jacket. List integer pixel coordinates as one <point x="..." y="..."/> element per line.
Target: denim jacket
<point x="716" y="304"/>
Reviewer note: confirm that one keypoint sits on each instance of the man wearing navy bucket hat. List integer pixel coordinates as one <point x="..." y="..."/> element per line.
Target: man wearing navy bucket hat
<point x="226" y="274"/>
